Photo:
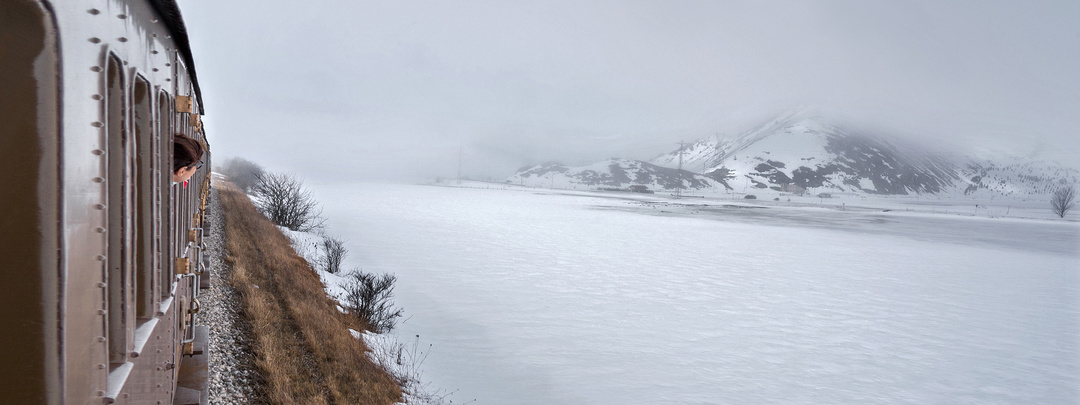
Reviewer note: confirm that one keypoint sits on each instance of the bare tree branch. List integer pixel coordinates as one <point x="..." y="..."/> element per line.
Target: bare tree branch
<point x="283" y="199"/>
<point x="335" y="253"/>
<point x="370" y="299"/>
<point x="1063" y="200"/>
<point x="242" y="172"/>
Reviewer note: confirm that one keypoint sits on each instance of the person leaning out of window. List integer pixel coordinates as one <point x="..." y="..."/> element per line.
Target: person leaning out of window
<point x="187" y="158"/>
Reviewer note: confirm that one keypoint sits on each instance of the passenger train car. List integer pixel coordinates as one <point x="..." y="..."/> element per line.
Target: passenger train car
<point x="100" y="255"/>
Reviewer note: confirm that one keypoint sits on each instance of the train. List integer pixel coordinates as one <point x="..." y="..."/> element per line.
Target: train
<point x="101" y="255"/>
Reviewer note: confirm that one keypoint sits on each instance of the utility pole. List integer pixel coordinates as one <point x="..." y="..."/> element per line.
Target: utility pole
<point x="459" y="165"/>
<point x="718" y="158"/>
<point x="678" y="191"/>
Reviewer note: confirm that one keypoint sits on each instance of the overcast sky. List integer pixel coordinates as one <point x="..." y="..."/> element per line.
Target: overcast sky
<point x="394" y="89"/>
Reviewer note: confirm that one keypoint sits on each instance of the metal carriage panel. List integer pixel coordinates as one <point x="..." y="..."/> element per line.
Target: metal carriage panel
<point x="30" y="245"/>
<point x="89" y="32"/>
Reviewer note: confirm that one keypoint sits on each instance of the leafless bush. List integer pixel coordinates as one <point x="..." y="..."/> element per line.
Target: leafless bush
<point x="283" y="199"/>
<point x="405" y="363"/>
<point x="242" y="172"/>
<point x="1063" y="200"/>
<point x="334" y="253"/>
<point x="370" y="298"/>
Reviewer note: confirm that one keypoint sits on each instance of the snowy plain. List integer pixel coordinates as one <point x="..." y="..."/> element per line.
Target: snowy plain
<point x="570" y="297"/>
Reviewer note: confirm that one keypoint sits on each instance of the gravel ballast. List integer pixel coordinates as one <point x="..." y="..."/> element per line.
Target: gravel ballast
<point x="233" y="376"/>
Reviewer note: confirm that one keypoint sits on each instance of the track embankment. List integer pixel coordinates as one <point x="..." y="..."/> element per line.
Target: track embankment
<point x="234" y="380"/>
<point x="301" y="350"/>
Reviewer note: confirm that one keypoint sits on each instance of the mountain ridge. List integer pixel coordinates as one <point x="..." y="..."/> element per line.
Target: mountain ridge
<point x="802" y="152"/>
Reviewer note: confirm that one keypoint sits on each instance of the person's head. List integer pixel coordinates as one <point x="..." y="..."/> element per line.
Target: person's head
<point x="187" y="157"/>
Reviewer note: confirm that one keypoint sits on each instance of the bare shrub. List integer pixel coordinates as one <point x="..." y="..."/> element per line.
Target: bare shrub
<point x="369" y="297"/>
<point x="1063" y="200"/>
<point x="334" y="253"/>
<point x="283" y="198"/>
<point x="405" y="363"/>
<point x="242" y="172"/>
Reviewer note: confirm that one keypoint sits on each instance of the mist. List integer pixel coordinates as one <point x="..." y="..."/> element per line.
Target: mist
<point x="413" y="90"/>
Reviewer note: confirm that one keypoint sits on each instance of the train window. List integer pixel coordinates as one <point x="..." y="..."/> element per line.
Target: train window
<point x="120" y="229"/>
<point x="144" y="180"/>
<point x="164" y="157"/>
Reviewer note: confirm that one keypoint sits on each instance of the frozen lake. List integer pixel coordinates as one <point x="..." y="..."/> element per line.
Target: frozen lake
<point x="533" y="297"/>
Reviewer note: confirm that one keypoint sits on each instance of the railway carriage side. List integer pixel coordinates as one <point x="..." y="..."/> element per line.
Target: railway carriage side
<point x="101" y="254"/>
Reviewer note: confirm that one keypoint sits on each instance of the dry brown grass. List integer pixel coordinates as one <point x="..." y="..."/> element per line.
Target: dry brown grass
<point x="303" y="349"/>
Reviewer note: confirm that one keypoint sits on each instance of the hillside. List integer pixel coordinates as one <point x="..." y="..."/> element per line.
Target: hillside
<point x="1017" y="178"/>
<point x="804" y="153"/>
<point x="810" y="154"/>
<point x="303" y="350"/>
<point x="614" y="173"/>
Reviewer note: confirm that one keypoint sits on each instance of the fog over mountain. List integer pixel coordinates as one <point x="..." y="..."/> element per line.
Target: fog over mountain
<point x="802" y="152"/>
<point x="361" y="90"/>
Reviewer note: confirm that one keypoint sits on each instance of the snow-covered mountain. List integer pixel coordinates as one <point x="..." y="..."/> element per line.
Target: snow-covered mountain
<point x="1017" y="178"/>
<point x="614" y="173"/>
<point x="799" y="152"/>
<point x="802" y="152"/>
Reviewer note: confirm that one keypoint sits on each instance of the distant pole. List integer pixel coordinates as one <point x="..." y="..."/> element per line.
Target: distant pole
<point x="459" y="165"/>
<point x="716" y="161"/>
<point x="678" y="191"/>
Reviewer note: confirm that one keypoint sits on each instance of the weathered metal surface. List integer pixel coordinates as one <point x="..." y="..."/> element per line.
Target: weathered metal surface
<point x="30" y="209"/>
<point x="92" y="227"/>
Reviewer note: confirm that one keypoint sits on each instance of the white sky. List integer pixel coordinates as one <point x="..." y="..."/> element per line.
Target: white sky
<point x="392" y="89"/>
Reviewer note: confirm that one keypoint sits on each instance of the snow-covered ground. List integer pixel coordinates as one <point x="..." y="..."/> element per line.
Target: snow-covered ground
<point x="572" y="297"/>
